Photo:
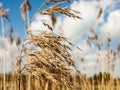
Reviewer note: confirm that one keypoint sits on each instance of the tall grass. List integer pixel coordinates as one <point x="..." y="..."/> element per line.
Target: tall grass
<point x="49" y="63"/>
<point x="4" y="13"/>
<point x="4" y="52"/>
<point x="50" y="57"/>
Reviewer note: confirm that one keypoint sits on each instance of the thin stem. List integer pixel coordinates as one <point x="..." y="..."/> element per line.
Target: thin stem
<point x="38" y="10"/>
<point x="20" y="55"/>
<point x="19" y="65"/>
<point x="28" y="29"/>
<point x="19" y="73"/>
<point x="4" y="51"/>
<point x="28" y="26"/>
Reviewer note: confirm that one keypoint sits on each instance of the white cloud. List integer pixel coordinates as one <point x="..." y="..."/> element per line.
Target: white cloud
<point x="75" y="29"/>
<point x="111" y="28"/>
<point x="117" y="63"/>
<point x="105" y="3"/>
<point x="37" y="23"/>
<point x="11" y="54"/>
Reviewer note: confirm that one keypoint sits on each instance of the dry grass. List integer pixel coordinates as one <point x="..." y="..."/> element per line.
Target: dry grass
<point x="4" y="13"/>
<point x="46" y="60"/>
<point x="50" y="54"/>
<point x="50" y="58"/>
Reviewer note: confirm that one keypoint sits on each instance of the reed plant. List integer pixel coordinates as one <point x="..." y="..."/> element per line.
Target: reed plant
<point x="46" y="60"/>
<point x="4" y="14"/>
<point x="49" y="54"/>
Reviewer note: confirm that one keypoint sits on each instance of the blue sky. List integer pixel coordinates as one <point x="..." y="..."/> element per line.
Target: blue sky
<point x="75" y="30"/>
<point x="15" y="13"/>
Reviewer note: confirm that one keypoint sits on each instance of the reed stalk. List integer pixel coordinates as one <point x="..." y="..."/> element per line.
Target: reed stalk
<point x="4" y="53"/>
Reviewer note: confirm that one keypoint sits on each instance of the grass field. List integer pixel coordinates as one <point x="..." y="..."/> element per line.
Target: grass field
<point x="47" y="61"/>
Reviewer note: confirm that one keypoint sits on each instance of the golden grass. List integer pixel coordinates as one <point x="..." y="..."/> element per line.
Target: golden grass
<point x="50" y="64"/>
<point x="50" y="54"/>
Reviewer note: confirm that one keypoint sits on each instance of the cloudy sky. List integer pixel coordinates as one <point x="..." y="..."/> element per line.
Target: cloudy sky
<point x="107" y="25"/>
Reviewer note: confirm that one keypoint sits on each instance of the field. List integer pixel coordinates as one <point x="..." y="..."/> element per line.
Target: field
<point x="82" y="83"/>
<point x="45" y="58"/>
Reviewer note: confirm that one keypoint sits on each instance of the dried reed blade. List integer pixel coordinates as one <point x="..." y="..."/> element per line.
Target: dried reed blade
<point x="17" y="41"/>
<point x="100" y="12"/>
<point x="25" y="7"/>
<point x="4" y="13"/>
